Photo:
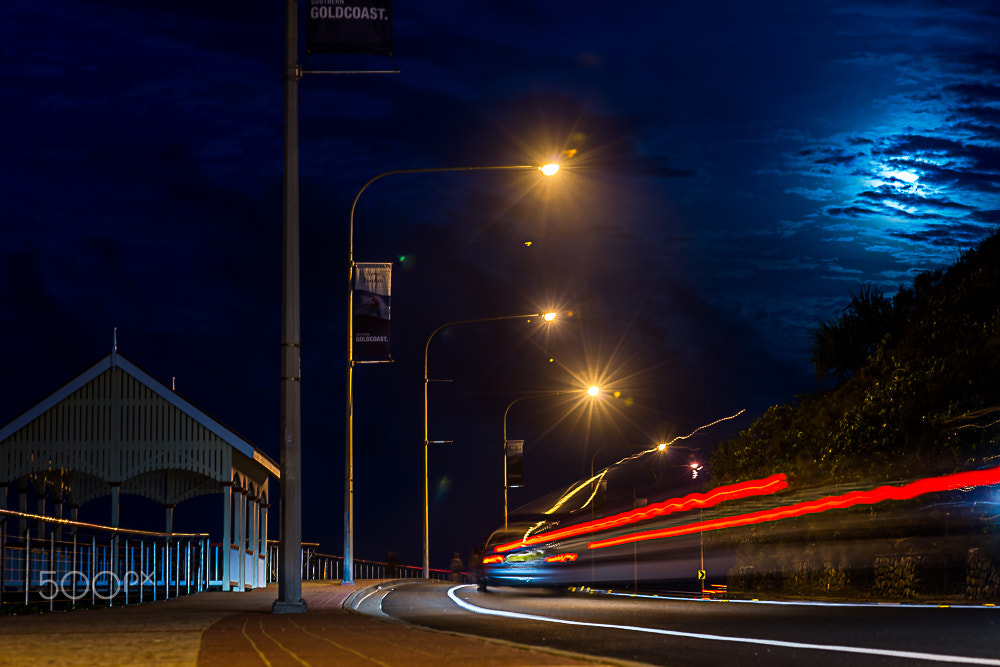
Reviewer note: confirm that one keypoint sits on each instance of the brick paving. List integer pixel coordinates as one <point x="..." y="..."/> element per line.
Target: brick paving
<point x="216" y="628"/>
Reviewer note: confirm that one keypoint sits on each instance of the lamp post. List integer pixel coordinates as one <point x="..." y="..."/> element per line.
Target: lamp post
<point x="509" y="406"/>
<point x="547" y="170"/>
<point x="548" y="317"/>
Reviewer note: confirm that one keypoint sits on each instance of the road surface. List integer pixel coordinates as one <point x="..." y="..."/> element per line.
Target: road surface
<point x="681" y="632"/>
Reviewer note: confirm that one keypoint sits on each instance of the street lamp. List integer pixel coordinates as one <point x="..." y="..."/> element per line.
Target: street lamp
<point x="548" y="317"/>
<point x="592" y="391"/>
<point x="509" y="406"/>
<point x="547" y="170"/>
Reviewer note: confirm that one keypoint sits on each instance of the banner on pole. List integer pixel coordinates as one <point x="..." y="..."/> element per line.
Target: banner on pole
<point x="362" y="27"/>
<point x="514" y="450"/>
<point x="372" y="282"/>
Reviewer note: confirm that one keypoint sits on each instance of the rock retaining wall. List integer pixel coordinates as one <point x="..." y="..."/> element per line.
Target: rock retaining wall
<point x="982" y="579"/>
<point x="901" y="577"/>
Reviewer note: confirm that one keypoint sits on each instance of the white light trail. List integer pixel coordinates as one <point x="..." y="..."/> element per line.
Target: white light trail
<point x="911" y="655"/>
<point x="700" y="428"/>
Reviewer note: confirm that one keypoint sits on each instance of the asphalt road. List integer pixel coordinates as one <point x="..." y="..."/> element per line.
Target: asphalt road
<point x="680" y="632"/>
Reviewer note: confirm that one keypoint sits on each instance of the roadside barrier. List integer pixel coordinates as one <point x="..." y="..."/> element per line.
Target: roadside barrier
<point x="61" y="562"/>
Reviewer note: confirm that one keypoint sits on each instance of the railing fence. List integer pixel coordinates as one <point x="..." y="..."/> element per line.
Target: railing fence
<point x="55" y="562"/>
<point x="318" y="566"/>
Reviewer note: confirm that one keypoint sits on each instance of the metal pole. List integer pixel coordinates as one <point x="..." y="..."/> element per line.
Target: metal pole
<point x="426" y="546"/>
<point x="509" y="406"/>
<point x="289" y="577"/>
<point x="349" y="419"/>
<point x="348" y="577"/>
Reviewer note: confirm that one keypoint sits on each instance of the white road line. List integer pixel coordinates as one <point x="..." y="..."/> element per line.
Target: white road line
<point x="370" y="593"/>
<point x="721" y="638"/>
<point x="797" y="603"/>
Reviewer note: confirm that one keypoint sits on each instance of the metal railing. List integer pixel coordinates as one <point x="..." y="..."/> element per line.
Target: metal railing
<point x="55" y="562"/>
<point x="45" y="560"/>
<point x="318" y="566"/>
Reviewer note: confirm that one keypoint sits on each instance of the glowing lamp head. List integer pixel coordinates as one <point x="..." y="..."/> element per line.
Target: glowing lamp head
<point x="661" y="447"/>
<point x="594" y="391"/>
<point x="548" y="317"/>
<point x="549" y="169"/>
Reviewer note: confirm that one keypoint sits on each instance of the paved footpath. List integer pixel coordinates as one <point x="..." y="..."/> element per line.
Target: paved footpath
<point x="238" y="630"/>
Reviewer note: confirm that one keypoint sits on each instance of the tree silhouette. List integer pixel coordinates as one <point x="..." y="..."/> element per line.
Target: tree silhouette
<point x="841" y="348"/>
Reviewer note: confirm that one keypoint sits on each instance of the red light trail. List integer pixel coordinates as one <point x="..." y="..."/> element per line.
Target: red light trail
<point x="880" y="494"/>
<point x="691" y="501"/>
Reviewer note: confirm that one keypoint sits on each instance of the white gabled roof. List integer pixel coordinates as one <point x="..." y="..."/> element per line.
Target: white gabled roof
<point x="116" y="359"/>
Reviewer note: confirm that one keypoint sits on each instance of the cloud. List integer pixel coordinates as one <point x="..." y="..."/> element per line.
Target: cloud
<point x="816" y="194"/>
<point x="944" y="235"/>
<point x="849" y="211"/>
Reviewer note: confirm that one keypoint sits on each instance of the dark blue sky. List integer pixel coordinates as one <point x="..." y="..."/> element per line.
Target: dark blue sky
<point x="740" y="168"/>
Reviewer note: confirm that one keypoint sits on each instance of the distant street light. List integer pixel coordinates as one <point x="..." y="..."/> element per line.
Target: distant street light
<point x="592" y="391"/>
<point x="547" y="170"/>
<point x="548" y="317"/>
<point x="509" y="406"/>
<point x="659" y="448"/>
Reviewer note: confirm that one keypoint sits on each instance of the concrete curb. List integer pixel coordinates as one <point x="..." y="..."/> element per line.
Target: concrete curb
<point x="350" y="604"/>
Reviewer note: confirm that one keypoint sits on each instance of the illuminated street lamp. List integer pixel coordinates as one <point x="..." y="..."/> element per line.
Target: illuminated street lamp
<point x="509" y="406"/>
<point x="548" y="317"/>
<point x="592" y="391"/>
<point x="547" y="170"/>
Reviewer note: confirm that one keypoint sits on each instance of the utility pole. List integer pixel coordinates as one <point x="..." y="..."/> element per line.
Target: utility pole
<point x="290" y="539"/>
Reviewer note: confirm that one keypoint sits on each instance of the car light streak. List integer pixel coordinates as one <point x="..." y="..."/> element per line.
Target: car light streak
<point x="490" y="560"/>
<point x="962" y="480"/>
<point x="756" y="487"/>
<point x="911" y="655"/>
<point x="561" y="558"/>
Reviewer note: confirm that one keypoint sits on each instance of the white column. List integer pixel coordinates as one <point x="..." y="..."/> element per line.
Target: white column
<point x="40" y="508"/>
<point x="115" y="494"/>
<point x="57" y="512"/>
<point x="263" y="540"/>
<point x="22" y="507"/>
<point x="253" y="521"/>
<point x="241" y="537"/>
<point x="227" y="531"/>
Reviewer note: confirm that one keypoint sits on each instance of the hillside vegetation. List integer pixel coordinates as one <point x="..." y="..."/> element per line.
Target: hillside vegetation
<point x="910" y="386"/>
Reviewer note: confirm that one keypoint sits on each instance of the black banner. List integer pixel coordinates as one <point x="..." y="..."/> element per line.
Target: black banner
<point x="349" y="26"/>
<point x="372" y="283"/>
<point x="514" y="451"/>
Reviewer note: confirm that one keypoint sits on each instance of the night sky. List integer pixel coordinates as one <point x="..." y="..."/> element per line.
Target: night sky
<point x="738" y="169"/>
